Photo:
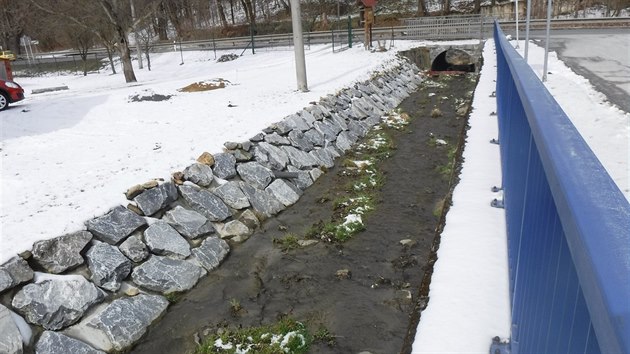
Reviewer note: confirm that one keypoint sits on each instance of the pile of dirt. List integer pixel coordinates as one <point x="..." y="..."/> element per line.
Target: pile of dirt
<point x="149" y="96"/>
<point x="210" y="85"/>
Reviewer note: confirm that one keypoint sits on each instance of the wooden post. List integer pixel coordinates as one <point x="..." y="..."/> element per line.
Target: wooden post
<point x="368" y="22"/>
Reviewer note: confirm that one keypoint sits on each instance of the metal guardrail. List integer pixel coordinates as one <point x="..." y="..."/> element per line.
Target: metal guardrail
<point x="568" y="224"/>
<point x="279" y="41"/>
<point x="445" y="27"/>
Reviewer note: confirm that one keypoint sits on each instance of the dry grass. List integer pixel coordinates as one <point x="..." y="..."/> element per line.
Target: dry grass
<point x="205" y="86"/>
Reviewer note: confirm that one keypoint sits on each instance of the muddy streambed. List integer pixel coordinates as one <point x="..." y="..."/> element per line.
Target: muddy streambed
<point x="373" y="303"/>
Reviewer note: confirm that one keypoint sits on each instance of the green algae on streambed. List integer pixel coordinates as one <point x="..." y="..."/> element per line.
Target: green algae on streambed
<point x="374" y="303"/>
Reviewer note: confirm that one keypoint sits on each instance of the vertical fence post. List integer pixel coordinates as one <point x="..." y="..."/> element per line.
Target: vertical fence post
<point x="549" y="4"/>
<point x="349" y="32"/>
<point x="332" y="37"/>
<point x="214" y="47"/>
<point x="251" y="33"/>
<point x="516" y="20"/>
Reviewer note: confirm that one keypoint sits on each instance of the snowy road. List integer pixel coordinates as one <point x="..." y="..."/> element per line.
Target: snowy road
<point x="602" y="56"/>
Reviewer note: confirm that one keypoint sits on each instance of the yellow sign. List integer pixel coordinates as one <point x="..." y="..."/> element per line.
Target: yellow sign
<point x="7" y="55"/>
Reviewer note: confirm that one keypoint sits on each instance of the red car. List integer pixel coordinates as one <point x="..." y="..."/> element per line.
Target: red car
<point x="10" y="92"/>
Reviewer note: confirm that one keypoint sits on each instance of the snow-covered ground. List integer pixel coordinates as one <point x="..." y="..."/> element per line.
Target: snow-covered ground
<point x="68" y="156"/>
<point x="605" y="127"/>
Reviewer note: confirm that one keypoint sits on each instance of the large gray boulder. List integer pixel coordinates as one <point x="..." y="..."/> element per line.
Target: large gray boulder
<point x="297" y="123"/>
<point x="303" y="179"/>
<point x="299" y="158"/>
<point x="199" y="174"/>
<point x="14" y="272"/>
<point x="57" y="343"/>
<point x="358" y="127"/>
<point x="327" y="130"/>
<point x="152" y="200"/>
<point x="5" y="280"/>
<point x="275" y="156"/>
<point x="211" y="252"/>
<point x="235" y="230"/>
<point x="107" y="265"/>
<point x="265" y="204"/>
<point x="458" y="57"/>
<point x="164" y="240"/>
<point x="61" y="253"/>
<point x="339" y="121"/>
<point x="224" y="165"/>
<point x="58" y="303"/>
<point x="299" y="140"/>
<point x="255" y="174"/>
<point x="276" y="139"/>
<point x="125" y="320"/>
<point x="285" y="192"/>
<point x="166" y="275"/>
<point x="232" y="195"/>
<point x="10" y="337"/>
<point x="114" y="226"/>
<point x="134" y="249"/>
<point x="315" y="137"/>
<point x="205" y="203"/>
<point x="308" y="117"/>
<point x="189" y="223"/>
<point x="324" y="158"/>
<point x="344" y="143"/>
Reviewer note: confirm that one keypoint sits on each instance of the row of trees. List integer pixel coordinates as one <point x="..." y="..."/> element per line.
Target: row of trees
<point x="82" y="24"/>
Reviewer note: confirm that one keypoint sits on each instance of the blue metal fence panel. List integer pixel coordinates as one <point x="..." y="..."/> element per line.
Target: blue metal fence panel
<point x="568" y="224"/>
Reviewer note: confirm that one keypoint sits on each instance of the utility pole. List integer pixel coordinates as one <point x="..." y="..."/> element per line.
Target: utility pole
<point x="529" y="14"/>
<point x="135" y="34"/>
<point x="298" y="41"/>
<point x="544" y="76"/>
<point x="516" y="21"/>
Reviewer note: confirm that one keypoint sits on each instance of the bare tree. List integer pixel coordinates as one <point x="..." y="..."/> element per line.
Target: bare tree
<point x="82" y="40"/>
<point x="113" y="13"/>
<point x="146" y="38"/>
<point x="446" y="7"/>
<point x="422" y="8"/>
<point x="477" y="6"/>
<point x="13" y="21"/>
<point x="221" y="11"/>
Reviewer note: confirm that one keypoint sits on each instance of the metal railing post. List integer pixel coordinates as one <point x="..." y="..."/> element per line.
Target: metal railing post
<point x="349" y="32"/>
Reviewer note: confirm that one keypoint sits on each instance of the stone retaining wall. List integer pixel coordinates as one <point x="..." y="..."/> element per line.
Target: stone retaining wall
<point x="98" y="290"/>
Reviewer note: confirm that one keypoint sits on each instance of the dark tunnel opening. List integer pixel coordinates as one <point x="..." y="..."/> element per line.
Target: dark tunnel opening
<point x="441" y="63"/>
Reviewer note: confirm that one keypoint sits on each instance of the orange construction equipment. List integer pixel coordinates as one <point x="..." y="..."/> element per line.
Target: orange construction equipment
<point x="5" y="65"/>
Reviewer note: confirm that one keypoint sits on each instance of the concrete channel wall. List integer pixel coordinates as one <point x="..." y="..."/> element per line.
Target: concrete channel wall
<point x="98" y="290"/>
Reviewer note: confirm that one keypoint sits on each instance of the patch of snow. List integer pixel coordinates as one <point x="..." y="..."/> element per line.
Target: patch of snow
<point x="352" y="219"/>
<point x="362" y="163"/>
<point x="25" y="330"/>
<point x="288" y="337"/>
<point x="441" y="142"/>
<point x="604" y="127"/>
<point x="225" y="346"/>
<point x="39" y="277"/>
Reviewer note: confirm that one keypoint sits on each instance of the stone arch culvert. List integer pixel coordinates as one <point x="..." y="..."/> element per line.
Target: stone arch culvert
<point x="175" y="263"/>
